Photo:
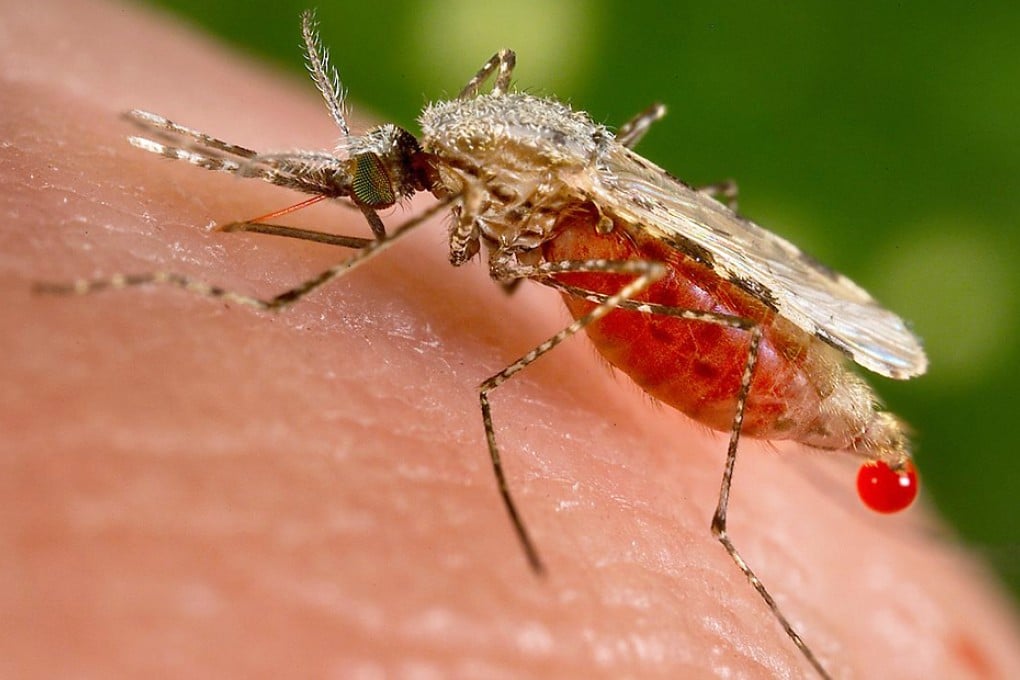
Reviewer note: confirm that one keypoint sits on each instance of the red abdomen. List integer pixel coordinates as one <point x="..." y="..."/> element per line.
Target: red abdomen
<point x="696" y="366"/>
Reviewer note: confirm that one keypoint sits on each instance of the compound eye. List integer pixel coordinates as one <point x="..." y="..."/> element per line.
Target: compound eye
<point x="370" y="182"/>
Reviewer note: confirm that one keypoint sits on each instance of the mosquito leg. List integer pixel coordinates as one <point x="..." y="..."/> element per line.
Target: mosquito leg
<point x="374" y="222"/>
<point x="717" y="318"/>
<point x="645" y="274"/>
<point x="284" y="299"/>
<point x="631" y="132"/>
<point x="725" y="192"/>
<point x="719" y="519"/>
<point x="503" y="62"/>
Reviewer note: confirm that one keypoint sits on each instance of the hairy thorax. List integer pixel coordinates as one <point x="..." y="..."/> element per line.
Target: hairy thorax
<point x="519" y="161"/>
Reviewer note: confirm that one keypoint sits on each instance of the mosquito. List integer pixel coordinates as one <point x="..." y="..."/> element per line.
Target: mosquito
<point x="702" y="308"/>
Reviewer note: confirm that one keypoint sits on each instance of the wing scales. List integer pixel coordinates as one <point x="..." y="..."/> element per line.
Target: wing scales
<point x="815" y="298"/>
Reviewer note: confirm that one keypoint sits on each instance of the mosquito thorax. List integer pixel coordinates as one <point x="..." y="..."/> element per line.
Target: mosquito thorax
<point x="517" y="159"/>
<point x="512" y="126"/>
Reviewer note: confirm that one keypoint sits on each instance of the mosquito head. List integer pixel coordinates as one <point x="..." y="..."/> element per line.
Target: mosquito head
<point x="386" y="165"/>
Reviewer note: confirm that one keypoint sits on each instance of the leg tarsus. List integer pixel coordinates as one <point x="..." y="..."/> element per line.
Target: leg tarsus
<point x="284" y="299"/>
<point x="631" y="132"/>
<point x="719" y="518"/>
<point x="503" y="62"/>
<point x="530" y="551"/>
<point x="507" y="271"/>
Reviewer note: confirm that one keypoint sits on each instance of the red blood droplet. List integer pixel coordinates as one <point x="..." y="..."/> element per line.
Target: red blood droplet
<point x="886" y="490"/>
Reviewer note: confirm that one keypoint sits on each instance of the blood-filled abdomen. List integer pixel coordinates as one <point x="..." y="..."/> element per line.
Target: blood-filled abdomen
<point x="800" y="389"/>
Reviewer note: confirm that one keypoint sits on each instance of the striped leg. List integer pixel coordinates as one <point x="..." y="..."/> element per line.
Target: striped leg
<point x="503" y="63"/>
<point x="631" y="132"/>
<point x="505" y="270"/>
<point x="624" y="300"/>
<point x="278" y="302"/>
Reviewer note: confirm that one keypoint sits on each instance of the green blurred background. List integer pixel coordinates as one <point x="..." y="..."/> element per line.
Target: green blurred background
<point x="882" y="138"/>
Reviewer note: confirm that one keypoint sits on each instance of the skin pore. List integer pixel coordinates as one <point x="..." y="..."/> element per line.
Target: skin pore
<point x="194" y="486"/>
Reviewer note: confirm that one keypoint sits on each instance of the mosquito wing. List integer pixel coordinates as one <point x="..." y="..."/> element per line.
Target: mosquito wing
<point x="820" y="301"/>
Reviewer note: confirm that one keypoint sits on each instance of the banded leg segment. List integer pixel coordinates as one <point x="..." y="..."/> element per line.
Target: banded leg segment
<point x="631" y="132"/>
<point x="719" y="518"/>
<point x="623" y="300"/>
<point x="284" y="299"/>
<point x="506" y="271"/>
<point x="502" y="63"/>
<point x="727" y="320"/>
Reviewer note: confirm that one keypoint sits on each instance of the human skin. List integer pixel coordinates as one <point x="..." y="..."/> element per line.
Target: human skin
<point x="196" y="489"/>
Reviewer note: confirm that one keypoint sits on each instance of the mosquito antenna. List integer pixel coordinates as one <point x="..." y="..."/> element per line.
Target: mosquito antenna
<point x="325" y="76"/>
